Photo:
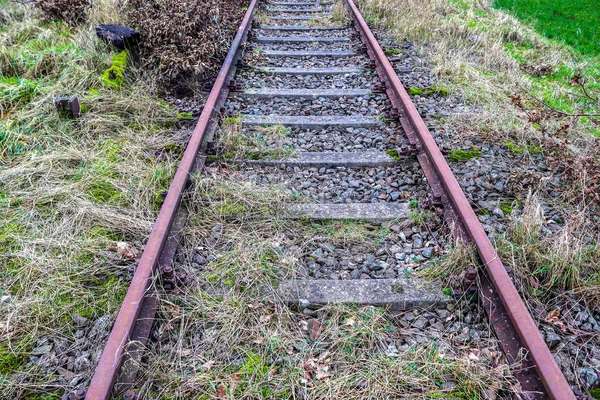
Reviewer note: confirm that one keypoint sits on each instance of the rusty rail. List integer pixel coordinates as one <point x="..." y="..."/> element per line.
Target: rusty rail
<point x="554" y="383"/>
<point x="540" y="376"/>
<point x="110" y="362"/>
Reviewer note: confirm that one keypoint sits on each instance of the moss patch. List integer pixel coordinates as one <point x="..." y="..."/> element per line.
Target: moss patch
<point x="520" y="149"/>
<point x="393" y="154"/>
<point x="114" y="76"/>
<point x="413" y="91"/>
<point x="463" y="155"/>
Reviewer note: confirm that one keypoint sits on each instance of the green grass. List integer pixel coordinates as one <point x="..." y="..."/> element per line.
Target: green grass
<point x="572" y="22"/>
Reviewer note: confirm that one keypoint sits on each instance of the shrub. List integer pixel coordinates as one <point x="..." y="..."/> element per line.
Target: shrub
<point x="185" y="38"/>
<point x="73" y="12"/>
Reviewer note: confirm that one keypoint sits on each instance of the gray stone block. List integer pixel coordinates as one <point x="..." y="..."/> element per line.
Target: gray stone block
<point x="398" y="294"/>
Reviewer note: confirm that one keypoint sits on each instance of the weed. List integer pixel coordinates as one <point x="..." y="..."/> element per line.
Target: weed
<point x="418" y="217"/>
<point x="414" y="91"/>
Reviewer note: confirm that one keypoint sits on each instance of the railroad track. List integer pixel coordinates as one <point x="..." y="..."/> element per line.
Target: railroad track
<point x="378" y="132"/>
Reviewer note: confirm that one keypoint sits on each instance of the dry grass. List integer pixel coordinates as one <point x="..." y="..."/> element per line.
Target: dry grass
<point x="549" y="263"/>
<point x="484" y="56"/>
<point x="218" y="338"/>
<point x="527" y="92"/>
<point x="233" y="144"/>
<point x="70" y="190"/>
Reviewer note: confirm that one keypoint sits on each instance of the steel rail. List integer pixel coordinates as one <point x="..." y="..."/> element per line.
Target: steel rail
<point x="549" y="373"/>
<point x="110" y="362"/>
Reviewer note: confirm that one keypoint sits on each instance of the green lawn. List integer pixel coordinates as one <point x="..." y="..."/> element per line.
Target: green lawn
<point x="574" y="22"/>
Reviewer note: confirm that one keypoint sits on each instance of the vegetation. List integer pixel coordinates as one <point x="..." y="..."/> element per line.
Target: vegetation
<point x="73" y="192"/>
<point x="170" y="32"/>
<point x="257" y="347"/>
<point x="237" y="145"/>
<point x="463" y="155"/>
<point x="73" y="12"/>
<point x="114" y="76"/>
<point x="574" y="23"/>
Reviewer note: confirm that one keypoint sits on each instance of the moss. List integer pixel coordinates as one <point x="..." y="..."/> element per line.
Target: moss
<point x="390" y="52"/>
<point x="438" y="89"/>
<point x="413" y="91"/>
<point x="514" y="148"/>
<point x="396" y="288"/>
<point x="231" y="208"/>
<point x="231" y="121"/>
<point x="393" y="154"/>
<point x="102" y="191"/>
<point x="520" y="149"/>
<point x="595" y="393"/>
<point x="114" y="76"/>
<point x="184" y="116"/>
<point x="463" y="155"/>
<point x="13" y="357"/>
<point x="506" y="207"/>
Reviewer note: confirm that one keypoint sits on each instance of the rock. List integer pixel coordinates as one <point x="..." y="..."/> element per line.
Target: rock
<point x="392" y="350"/>
<point x="42" y="349"/>
<point x="217" y="231"/>
<point x="121" y="37"/>
<point x="582" y="316"/>
<point x="80" y="321"/>
<point x="428" y="252"/>
<point x="5" y="299"/>
<point x="589" y="377"/>
<point x="498" y="212"/>
<point x="355" y="274"/>
<point x="103" y="323"/>
<point x="463" y="338"/>
<point x="328" y="247"/>
<point x="82" y="363"/>
<point x="417" y="241"/>
<point x="375" y="265"/>
<point x="303" y="303"/>
<point x="552" y="339"/>
<point x="421" y="323"/>
<point x="449" y="385"/>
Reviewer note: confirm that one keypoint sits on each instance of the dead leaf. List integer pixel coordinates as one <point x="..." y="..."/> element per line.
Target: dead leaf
<point x="222" y="392"/>
<point x="314" y="328"/>
<point x="125" y="251"/>
<point x="553" y="317"/>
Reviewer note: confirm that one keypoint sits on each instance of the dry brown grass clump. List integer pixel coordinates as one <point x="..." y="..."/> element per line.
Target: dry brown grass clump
<point x="74" y="12"/>
<point x="186" y="38"/>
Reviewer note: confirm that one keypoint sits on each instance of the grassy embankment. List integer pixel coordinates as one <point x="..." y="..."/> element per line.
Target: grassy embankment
<point x="70" y="189"/>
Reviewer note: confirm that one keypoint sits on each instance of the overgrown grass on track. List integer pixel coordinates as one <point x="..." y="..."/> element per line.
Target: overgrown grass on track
<point x="573" y="22"/>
